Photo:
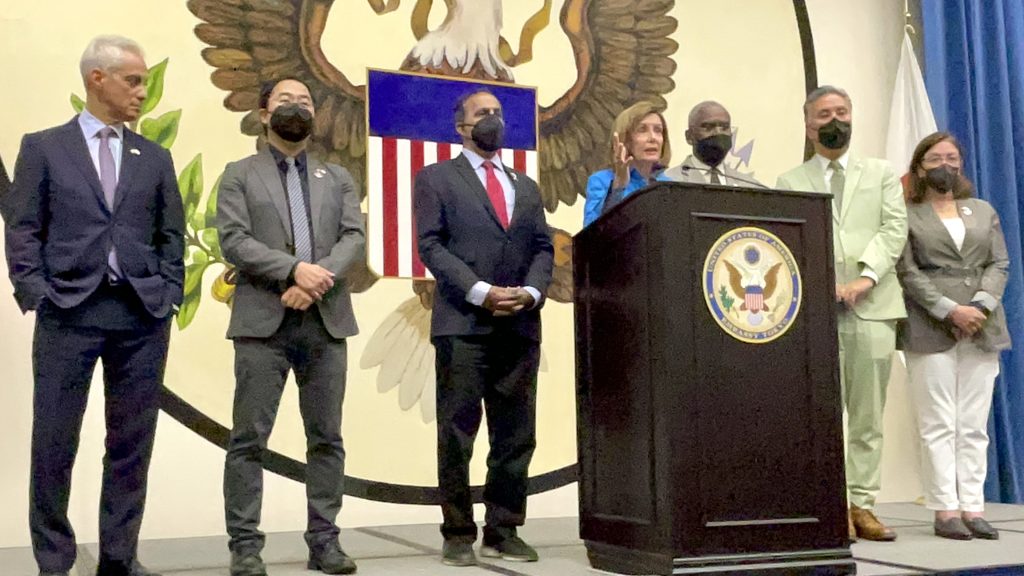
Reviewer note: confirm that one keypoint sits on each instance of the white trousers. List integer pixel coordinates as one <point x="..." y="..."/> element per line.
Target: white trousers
<point x="952" y="395"/>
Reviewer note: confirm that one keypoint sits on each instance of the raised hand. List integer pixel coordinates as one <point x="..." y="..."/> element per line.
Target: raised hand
<point x="623" y="162"/>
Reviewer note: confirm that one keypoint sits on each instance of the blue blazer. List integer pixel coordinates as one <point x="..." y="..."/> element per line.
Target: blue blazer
<point x="59" y="229"/>
<point x="462" y="242"/>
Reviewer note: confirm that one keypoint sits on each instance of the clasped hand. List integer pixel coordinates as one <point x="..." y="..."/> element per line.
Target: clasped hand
<point x="851" y="293"/>
<point x="503" y="301"/>
<point x="967" y="320"/>
<point x="311" y="283"/>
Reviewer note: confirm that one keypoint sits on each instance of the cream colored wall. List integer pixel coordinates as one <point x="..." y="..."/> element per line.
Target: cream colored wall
<point x="741" y="52"/>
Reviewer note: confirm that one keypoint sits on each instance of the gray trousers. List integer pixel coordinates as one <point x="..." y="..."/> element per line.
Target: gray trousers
<point x="319" y="361"/>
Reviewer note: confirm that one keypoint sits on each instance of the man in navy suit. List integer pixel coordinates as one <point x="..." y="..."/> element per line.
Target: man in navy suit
<point x="483" y="235"/>
<point x="94" y="243"/>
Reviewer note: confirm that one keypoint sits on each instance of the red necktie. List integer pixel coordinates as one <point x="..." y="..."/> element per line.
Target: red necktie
<point x="497" y="194"/>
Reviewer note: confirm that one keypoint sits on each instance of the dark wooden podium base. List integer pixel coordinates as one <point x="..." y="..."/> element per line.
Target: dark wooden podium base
<point x="630" y="561"/>
<point x="701" y="452"/>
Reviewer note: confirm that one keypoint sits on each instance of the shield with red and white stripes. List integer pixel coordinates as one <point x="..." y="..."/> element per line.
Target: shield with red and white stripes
<point x="753" y="297"/>
<point x="411" y="125"/>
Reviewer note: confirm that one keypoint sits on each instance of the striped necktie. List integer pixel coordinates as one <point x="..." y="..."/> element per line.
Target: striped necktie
<point x="300" y="221"/>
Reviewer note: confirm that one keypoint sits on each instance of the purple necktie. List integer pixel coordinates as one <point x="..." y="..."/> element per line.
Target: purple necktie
<point x="108" y="180"/>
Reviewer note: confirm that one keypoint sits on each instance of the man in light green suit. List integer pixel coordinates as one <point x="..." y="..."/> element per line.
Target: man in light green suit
<point x="869" y="229"/>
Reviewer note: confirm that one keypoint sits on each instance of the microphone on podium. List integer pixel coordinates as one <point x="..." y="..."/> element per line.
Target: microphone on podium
<point x="724" y="175"/>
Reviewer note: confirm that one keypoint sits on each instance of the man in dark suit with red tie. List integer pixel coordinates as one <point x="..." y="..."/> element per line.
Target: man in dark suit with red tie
<point x="482" y="233"/>
<point x="95" y="246"/>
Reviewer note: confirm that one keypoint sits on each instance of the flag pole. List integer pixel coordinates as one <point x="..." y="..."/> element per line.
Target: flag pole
<point x="907" y="26"/>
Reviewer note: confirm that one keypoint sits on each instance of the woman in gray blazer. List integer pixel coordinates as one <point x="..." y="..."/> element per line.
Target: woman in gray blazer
<point x="953" y="271"/>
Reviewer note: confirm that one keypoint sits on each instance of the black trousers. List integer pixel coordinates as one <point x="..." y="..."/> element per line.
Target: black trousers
<point x="499" y="371"/>
<point x="301" y="344"/>
<point x="110" y="326"/>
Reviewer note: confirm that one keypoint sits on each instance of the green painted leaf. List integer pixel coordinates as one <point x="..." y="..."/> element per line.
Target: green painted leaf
<point x="197" y="222"/>
<point x="211" y="202"/>
<point x="194" y="276"/>
<point x="190" y="184"/>
<point x="209" y="237"/>
<point x="188" y="309"/>
<point x="726" y="300"/>
<point x="154" y="88"/>
<point x="193" y="288"/>
<point x="163" y="129"/>
<point x="77" y="103"/>
<point x="200" y="256"/>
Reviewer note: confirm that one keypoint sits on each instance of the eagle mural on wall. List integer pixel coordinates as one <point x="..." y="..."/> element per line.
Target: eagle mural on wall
<point x="622" y="54"/>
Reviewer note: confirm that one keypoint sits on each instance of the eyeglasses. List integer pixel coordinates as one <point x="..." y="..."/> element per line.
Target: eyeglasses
<point x="940" y="159"/>
<point x="709" y="126"/>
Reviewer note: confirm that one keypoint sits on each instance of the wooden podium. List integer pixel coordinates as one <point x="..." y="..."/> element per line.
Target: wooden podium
<point x="705" y="449"/>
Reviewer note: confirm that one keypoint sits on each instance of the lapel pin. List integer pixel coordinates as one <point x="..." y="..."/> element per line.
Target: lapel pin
<point x="135" y="151"/>
<point x="966" y="210"/>
<point x="319" y="173"/>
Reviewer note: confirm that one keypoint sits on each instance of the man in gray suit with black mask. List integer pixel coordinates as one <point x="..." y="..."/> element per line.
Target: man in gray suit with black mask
<point x="709" y="131"/>
<point x="291" y="226"/>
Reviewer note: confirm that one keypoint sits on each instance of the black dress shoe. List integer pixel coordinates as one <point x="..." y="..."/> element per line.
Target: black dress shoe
<point x="457" y="552"/>
<point x="981" y="529"/>
<point x="952" y="528"/>
<point x="330" y="559"/>
<point x="512" y="549"/>
<point x="247" y="564"/>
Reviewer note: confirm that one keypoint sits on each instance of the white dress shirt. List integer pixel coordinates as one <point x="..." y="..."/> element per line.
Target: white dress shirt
<point x="478" y="293"/>
<point x="844" y="161"/>
<point x="477" y="162"/>
<point x="957" y="230"/>
<point x="91" y="126"/>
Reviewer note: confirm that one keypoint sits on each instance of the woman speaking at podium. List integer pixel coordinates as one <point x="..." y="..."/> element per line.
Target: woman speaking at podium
<point x="639" y="151"/>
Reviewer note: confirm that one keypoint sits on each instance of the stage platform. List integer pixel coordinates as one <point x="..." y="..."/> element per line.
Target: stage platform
<point x="415" y="550"/>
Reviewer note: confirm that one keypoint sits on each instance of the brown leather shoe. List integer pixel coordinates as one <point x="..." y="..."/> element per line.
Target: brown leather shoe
<point x="852" y="528"/>
<point x="868" y="526"/>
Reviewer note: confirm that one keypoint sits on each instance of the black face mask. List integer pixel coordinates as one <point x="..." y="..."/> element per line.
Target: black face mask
<point x="489" y="133"/>
<point x="941" y="178"/>
<point x="291" y="122"/>
<point x="713" y="149"/>
<point x="835" y="135"/>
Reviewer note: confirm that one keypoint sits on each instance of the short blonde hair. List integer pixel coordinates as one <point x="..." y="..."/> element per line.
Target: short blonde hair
<point x="627" y="122"/>
<point x="106" y="52"/>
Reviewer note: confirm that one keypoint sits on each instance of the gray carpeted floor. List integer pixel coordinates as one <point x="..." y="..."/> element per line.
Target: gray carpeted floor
<point x="415" y="549"/>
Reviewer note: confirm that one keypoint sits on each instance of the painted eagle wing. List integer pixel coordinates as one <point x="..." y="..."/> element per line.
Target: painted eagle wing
<point x="623" y="55"/>
<point x="735" y="279"/>
<point x="400" y="347"/>
<point x="771" y="280"/>
<point x="254" y="41"/>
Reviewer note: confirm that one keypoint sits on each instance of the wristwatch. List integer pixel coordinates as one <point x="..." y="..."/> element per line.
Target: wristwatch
<point x="980" y="307"/>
